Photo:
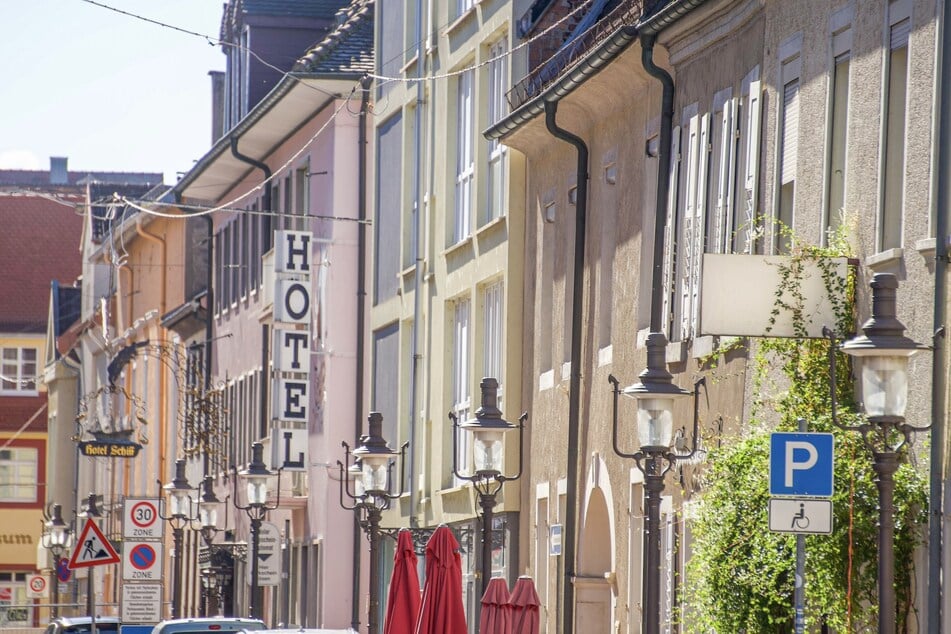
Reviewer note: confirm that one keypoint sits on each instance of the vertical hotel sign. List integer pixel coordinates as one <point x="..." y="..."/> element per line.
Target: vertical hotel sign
<point x="290" y="385"/>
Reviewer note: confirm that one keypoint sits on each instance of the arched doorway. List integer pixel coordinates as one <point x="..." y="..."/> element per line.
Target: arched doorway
<point x="594" y="582"/>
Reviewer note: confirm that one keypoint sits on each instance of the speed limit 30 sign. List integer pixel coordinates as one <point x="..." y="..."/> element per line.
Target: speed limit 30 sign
<point x="141" y="519"/>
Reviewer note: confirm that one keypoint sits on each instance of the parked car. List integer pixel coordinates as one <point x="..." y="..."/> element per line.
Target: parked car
<point x="82" y="624"/>
<point x="306" y="630"/>
<point x="211" y="625"/>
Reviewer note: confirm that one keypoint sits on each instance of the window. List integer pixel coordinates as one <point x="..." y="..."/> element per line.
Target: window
<point x="288" y="204"/>
<point x="498" y="107"/>
<point x="245" y="253"/>
<point x="722" y="175"/>
<point x="542" y="558"/>
<point x="219" y="269"/>
<point x="390" y="45"/>
<point x="18" y="474"/>
<point x="18" y="370"/>
<point x="461" y="398"/>
<point x="462" y="6"/>
<point x="545" y="290"/>
<point x="789" y="142"/>
<point x="745" y="206"/>
<point x="385" y="397"/>
<point x="389" y="198"/>
<point x="257" y="248"/>
<point x="890" y="221"/>
<point x="493" y="333"/>
<point x="609" y="212"/>
<point x="465" y="166"/>
<point x="301" y="196"/>
<point x="838" y="119"/>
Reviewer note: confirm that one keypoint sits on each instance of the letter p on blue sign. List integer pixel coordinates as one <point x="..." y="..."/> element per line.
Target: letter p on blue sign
<point x="800" y="464"/>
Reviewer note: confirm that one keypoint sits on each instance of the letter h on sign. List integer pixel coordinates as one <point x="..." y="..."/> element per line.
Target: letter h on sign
<point x="293" y="252"/>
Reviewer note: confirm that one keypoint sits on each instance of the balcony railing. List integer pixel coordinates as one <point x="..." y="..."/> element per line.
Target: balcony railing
<point x="547" y="72"/>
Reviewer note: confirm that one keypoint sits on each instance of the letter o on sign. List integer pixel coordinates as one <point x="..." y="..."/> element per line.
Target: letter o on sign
<point x="297" y="301"/>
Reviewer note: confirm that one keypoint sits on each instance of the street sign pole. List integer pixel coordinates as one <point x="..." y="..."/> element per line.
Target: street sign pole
<point x="799" y="596"/>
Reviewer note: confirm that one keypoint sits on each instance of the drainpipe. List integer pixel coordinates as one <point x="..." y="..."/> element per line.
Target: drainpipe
<point x="566" y="622"/>
<point x="663" y="177"/>
<point x="362" y="228"/>
<point x="938" y="362"/>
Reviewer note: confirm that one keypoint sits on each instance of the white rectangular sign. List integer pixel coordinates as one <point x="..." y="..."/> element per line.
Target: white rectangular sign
<point x="140" y="519"/>
<point x="800" y="515"/>
<point x="292" y="252"/>
<point x="142" y="561"/>
<point x="292" y="350"/>
<point x="141" y="602"/>
<point x="739" y="294"/>
<point x="269" y="556"/>
<point x="289" y="449"/>
<point x="291" y="399"/>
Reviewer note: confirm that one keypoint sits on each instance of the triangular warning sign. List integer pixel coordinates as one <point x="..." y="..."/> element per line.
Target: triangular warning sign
<point x="92" y="548"/>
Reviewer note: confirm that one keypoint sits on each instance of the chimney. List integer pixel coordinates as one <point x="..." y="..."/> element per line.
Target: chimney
<point x="217" y="104"/>
<point x="58" y="172"/>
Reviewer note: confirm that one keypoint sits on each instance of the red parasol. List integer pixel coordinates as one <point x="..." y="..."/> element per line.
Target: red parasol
<point x="496" y="612"/>
<point x="524" y="604"/>
<point x="442" y="611"/>
<point x="402" y="601"/>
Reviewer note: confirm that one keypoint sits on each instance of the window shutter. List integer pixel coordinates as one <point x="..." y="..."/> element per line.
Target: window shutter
<point x="703" y="161"/>
<point x="752" y="157"/>
<point x="898" y="35"/>
<point x="671" y="227"/>
<point x="790" y="131"/>
<point x="726" y="176"/>
<point x="688" y="235"/>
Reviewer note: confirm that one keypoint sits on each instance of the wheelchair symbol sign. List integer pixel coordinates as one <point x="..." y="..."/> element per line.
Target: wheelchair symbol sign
<point x="801" y="464"/>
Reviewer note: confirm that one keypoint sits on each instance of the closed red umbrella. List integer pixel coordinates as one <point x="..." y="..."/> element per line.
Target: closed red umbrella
<point x="442" y="611"/>
<point x="402" y="601"/>
<point x="495" y="617"/>
<point x="524" y="602"/>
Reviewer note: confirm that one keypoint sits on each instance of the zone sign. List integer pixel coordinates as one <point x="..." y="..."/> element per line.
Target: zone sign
<point x="141" y="519"/>
<point x="141" y="561"/>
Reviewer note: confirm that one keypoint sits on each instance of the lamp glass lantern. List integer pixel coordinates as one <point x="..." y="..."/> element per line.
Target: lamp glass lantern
<point x="57" y="530"/>
<point x="374" y="455"/>
<point x="179" y="492"/>
<point x="355" y="475"/>
<point x="883" y="351"/>
<point x="257" y="477"/>
<point x="208" y="506"/>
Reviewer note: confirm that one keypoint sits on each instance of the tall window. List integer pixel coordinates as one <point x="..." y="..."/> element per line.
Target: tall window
<point x="465" y="165"/>
<point x="18" y="474"/>
<point x="788" y="151"/>
<point x="461" y="398"/>
<point x="498" y="107"/>
<point x="890" y="224"/>
<point x="302" y="195"/>
<point x="838" y="125"/>
<point x="245" y="253"/>
<point x="18" y="370"/>
<point x="721" y="173"/>
<point x="546" y="286"/>
<point x="493" y="332"/>
<point x="463" y="5"/>
<point x="389" y="198"/>
<point x="609" y="214"/>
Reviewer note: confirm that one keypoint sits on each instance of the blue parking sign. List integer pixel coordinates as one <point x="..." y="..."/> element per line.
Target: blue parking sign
<point x="800" y="464"/>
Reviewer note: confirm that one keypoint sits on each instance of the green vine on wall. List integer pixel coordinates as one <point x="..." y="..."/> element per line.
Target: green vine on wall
<point x="741" y="577"/>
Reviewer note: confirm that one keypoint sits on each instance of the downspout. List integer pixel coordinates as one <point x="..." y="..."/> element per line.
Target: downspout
<point x="416" y="357"/>
<point x="663" y="177"/>
<point x="566" y="622"/>
<point x="365" y="84"/>
<point x="163" y="375"/>
<point x="939" y="366"/>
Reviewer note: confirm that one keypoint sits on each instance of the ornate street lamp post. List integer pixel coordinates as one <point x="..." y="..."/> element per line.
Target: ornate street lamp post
<point x="208" y="520"/>
<point x="371" y="496"/>
<point x="179" y="493"/>
<point x="487" y="430"/>
<point x="56" y="540"/>
<point x="258" y="479"/>
<point x="655" y="394"/>
<point x="883" y="352"/>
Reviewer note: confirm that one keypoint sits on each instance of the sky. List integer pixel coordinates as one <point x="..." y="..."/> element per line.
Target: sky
<point x="108" y="91"/>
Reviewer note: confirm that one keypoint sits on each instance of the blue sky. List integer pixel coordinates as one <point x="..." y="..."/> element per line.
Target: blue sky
<point x="108" y="91"/>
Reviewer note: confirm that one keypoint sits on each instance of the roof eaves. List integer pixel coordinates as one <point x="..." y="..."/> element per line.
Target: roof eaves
<point x="588" y="66"/>
<point x="665" y="15"/>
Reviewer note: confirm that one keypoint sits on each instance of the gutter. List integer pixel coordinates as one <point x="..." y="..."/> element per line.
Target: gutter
<point x="567" y="603"/>
<point x="266" y="201"/>
<point x="939" y="367"/>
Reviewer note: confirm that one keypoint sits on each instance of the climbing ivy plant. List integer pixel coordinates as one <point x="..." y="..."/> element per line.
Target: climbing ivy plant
<point x="741" y="576"/>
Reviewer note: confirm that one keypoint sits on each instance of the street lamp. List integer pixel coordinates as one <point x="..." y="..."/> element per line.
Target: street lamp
<point x="56" y="540"/>
<point x="179" y="493"/>
<point x="655" y="394"/>
<point x="208" y="526"/>
<point x="882" y="351"/>
<point x="257" y="479"/>
<point x="371" y="496"/>
<point x="487" y="431"/>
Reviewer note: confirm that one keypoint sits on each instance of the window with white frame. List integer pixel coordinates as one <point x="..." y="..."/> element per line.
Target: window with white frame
<point x="464" y="5"/>
<point x="498" y="108"/>
<point x="609" y="213"/>
<point x="893" y="168"/>
<point x="788" y="157"/>
<point x="18" y="370"/>
<point x="465" y="163"/>
<point x="702" y="190"/>
<point x="461" y="396"/>
<point x="838" y="119"/>
<point x="18" y="474"/>
<point x="302" y="196"/>
<point x="493" y="332"/>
